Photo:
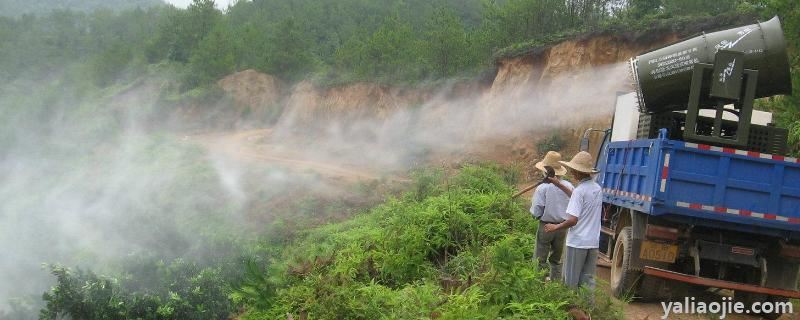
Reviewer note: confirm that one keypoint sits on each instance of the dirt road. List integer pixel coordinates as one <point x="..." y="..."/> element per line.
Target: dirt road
<point x="254" y="146"/>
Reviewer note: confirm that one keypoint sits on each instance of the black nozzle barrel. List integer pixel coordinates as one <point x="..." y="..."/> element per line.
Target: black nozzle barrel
<point x="664" y="75"/>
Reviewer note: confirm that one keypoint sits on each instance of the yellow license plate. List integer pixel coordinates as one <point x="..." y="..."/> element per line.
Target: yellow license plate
<point x="658" y="251"/>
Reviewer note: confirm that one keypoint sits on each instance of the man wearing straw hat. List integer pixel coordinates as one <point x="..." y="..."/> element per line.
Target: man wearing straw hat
<point x="549" y="205"/>
<point x="584" y="209"/>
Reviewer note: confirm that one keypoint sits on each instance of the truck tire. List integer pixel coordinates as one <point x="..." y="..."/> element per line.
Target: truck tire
<point x="623" y="276"/>
<point x="657" y="289"/>
<point x="652" y="288"/>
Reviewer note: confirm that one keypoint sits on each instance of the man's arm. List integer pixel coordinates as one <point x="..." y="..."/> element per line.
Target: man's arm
<point x="571" y="221"/>
<point x="556" y="182"/>
<point x="574" y="209"/>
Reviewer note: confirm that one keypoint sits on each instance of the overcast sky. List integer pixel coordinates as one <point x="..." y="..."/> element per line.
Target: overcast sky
<point x="222" y="4"/>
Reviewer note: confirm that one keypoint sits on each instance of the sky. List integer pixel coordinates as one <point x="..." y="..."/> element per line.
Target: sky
<point x="222" y="4"/>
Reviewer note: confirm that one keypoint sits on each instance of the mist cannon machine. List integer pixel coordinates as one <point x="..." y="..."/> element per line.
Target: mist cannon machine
<point x="711" y="71"/>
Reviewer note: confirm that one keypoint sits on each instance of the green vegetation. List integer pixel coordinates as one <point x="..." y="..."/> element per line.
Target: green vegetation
<point x="330" y="41"/>
<point x="553" y="142"/>
<point x="179" y="290"/>
<point x="13" y="8"/>
<point x="139" y="222"/>
<point x="452" y="246"/>
<point x="463" y="251"/>
<point x="455" y="247"/>
<point x="786" y="109"/>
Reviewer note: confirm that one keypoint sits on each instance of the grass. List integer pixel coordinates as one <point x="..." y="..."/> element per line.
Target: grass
<point x="454" y="247"/>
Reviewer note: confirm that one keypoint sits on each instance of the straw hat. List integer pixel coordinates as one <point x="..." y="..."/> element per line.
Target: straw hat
<point x="581" y="162"/>
<point x="553" y="160"/>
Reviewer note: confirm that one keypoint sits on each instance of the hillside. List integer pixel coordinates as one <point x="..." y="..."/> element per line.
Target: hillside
<point x="13" y="8"/>
<point x="400" y="125"/>
<point x="307" y="159"/>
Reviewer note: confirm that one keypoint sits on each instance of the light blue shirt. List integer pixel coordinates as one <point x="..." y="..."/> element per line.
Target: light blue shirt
<point x="586" y="204"/>
<point x="550" y="203"/>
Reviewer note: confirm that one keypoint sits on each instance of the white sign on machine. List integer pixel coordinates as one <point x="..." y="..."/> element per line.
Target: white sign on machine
<point x="626" y="118"/>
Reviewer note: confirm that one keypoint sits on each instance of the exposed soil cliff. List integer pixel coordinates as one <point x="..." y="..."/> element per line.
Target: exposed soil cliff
<point x="256" y="96"/>
<point x="560" y="90"/>
<point x="309" y="105"/>
<point x="253" y="89"/>
<point x="572" y="85"/>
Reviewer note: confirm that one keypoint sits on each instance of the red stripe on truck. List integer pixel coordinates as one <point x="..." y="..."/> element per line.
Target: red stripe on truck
<point x="746" y="213"/>
<point x="751" y="154"/>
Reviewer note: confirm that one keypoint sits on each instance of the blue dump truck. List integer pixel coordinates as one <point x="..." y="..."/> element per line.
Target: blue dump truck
<point x="698" y="189"/>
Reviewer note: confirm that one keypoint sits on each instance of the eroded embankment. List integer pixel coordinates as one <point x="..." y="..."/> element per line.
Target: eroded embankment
<point x="555" y="90"/>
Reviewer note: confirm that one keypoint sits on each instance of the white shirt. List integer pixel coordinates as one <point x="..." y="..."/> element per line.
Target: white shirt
<point x="550" y="203"/>
<point x="585" y="204"/>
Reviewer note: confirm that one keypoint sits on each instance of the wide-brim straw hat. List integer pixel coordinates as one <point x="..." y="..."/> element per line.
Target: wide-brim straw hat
<point x="552" y="159"/>
<point x="581" y="162"/>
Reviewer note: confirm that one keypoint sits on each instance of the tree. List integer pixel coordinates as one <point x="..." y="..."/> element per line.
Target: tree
<point x="446" y="42"/>
<point x="290" y="51"/>
<point x="641" y="8"/>
<point x="392" y="52"/>
<point x="787" y="109"/>
<point x="392" y="49"/>
<point x="110" y="64"/>
<point x="697" y="7"/>
<point x="183" y="31"/>
<point x="215" y="56"/>
<point x="12" y="8"/>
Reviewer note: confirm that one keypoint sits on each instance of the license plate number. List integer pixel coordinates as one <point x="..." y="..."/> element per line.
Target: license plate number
<point x="658" y="251"/>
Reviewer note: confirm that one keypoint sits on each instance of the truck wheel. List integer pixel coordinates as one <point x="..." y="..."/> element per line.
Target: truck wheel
<point x="623" y="275"/>
<point x="652" y="288"/>
<point x="658" y="289"/>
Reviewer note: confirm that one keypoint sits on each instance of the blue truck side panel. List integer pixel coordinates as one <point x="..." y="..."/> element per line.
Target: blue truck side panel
<point x="703" y="185"/>
<point x="628" y="174"/>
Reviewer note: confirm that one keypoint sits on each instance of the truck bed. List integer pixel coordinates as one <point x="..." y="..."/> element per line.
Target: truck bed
<point x="704" y="185"/>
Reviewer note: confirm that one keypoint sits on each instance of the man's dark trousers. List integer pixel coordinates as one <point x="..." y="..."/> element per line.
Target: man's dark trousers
<point x="549" y="249"/>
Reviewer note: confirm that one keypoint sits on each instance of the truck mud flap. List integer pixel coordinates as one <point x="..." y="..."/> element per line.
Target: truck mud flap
<point x="666" y="274"/>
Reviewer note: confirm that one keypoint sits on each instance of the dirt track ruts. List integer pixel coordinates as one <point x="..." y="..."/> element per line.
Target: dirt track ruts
<point x="249" y="146"/>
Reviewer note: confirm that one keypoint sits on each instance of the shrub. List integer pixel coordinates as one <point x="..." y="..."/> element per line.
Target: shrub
<point x="462" y="251"/>
<point x="552" y="143"/>
<point x="181" y="290"/>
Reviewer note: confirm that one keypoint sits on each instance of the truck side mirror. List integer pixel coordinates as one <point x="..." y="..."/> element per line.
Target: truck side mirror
<point x="585" y="144"/>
